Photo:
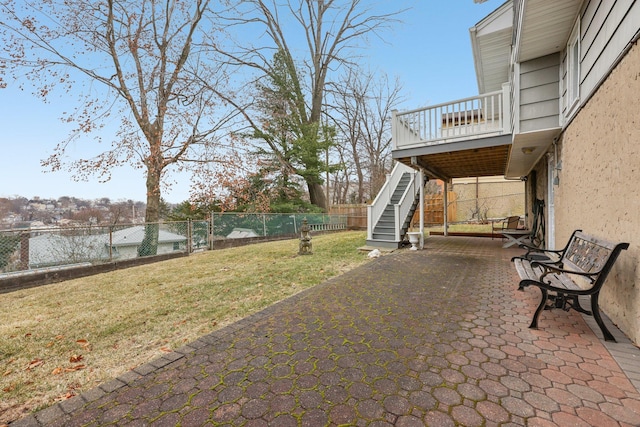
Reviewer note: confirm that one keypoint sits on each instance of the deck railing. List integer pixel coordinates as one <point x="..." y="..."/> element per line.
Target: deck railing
<point x="468" y="118"/>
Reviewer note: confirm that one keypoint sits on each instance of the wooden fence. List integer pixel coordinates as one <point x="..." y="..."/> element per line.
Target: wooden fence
<point x="356" y="215"/>
<point x="433" y="212"/>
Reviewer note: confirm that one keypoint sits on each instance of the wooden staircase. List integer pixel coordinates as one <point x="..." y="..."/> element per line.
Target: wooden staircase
<point x="395" y="204"/>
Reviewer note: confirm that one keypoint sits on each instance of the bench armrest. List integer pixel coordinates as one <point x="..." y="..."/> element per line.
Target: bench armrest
<point x="552" y="268"/>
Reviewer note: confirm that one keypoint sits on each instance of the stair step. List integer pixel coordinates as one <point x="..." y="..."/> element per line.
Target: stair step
<point x="389" y="237"/>
<point x="391" y="225"/>
<point x="384" y="243"/>
<point x="384" y="236"/>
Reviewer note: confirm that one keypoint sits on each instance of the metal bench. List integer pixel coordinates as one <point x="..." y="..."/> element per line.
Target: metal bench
<point x="545" y="255"/>
<point x="581" y="269"/>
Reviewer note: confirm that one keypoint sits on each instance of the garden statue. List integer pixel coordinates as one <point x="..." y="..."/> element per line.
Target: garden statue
<point x="305" y="239"/>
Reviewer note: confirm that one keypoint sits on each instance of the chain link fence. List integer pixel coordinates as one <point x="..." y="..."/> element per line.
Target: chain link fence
<point x="231" y="225"/>
<point x="62" y="247"/>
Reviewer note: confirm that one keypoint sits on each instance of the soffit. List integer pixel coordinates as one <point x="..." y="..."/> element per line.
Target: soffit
<point x="546" y="27"/>
<point x="491" y="44"/>
<point x="527" y="149"/>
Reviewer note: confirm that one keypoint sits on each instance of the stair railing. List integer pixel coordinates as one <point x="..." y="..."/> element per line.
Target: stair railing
<point x="376" y="208"/>
<point x="403" y="208"/>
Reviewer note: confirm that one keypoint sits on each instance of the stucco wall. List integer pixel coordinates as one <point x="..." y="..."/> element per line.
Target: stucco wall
<point x="599" y="188"/>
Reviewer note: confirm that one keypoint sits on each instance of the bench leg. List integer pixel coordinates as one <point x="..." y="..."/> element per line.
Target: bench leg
<point x="575" y="304"/>
<point x="596" y="315"/>
<point x="543" y="303"/>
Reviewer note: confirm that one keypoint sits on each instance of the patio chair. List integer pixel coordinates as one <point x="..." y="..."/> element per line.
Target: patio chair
<point x="506" y="224"/>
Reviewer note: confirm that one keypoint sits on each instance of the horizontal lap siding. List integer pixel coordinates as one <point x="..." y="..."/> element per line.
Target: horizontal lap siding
<point x="539" y="93"/>
<point x="606" y="28"/>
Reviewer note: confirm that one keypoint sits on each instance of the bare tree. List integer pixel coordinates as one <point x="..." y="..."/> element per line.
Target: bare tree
<point x="313" y="38"/>
<point x="140" y="60"/>
<point x="362" y="109"/>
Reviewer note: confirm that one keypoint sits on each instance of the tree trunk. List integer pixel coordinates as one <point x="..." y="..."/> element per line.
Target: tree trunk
<point x="316" y="195"/>
<point x="149" y="245"/>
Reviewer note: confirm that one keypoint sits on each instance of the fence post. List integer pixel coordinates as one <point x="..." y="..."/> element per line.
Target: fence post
<point x="110" y="244"/>
<point x="210" y="233"/>
<point x="189" y="236"/>
<point x="264" y="225"/>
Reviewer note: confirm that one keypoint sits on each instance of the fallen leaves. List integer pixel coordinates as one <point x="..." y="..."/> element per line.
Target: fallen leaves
<point x="34" y="364"/>
<point x="60" y="370"/>
<point x="85" y="344"/>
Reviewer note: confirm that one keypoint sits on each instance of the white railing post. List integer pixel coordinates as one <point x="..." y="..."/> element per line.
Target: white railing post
<point x="397" y="217"/>
<point x="421" y="206"/>
<point x="506" y="105"/>
<point x="369" y="222"/>
<point x="394" y="128"/>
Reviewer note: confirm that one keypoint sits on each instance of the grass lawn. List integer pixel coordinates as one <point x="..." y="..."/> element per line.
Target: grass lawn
<point x="61" y="339"/>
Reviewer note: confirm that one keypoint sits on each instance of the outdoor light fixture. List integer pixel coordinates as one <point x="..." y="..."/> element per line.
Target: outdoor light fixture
<point x="528" y="150"/>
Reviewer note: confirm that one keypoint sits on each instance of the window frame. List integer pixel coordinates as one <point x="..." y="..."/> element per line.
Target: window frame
<point x="573" y="69"/>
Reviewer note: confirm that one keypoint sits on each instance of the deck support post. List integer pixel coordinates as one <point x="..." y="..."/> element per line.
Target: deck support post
<point x="446" y="208"/>
<point x="421" y="183"/>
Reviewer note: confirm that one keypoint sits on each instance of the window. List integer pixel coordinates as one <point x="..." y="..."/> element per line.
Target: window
<point x="176" y="246"/>
<point x="573" y="67"/>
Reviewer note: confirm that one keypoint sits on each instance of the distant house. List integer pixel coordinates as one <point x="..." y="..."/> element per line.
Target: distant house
<point x="240" y="233"/>
<point x="49" y="249"/>
<point x="125" y="242"/>
<point x="53" y="249"/>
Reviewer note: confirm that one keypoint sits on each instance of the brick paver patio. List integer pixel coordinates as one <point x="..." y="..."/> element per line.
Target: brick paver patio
<point x="436" y="337"/>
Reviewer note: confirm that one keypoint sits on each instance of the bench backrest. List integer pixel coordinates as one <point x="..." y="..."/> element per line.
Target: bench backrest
<point x="589" y="254"/>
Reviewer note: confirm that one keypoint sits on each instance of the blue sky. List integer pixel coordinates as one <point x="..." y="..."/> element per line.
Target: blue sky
<point x="430" y="52"/>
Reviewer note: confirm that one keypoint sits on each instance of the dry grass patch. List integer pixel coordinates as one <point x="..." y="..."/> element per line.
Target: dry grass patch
<point x="62" y="339"/>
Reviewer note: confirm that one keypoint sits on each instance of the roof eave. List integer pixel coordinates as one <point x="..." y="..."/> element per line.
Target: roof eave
<point x="498" y="23"/>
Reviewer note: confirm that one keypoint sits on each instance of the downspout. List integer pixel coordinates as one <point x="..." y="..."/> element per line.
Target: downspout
<point x="526" y="203"/>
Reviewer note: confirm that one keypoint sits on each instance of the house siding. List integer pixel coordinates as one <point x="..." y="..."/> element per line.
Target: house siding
<point x="599" y="189"/>
<point x="539" y="93"/>
<point x="606" y="27"/>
